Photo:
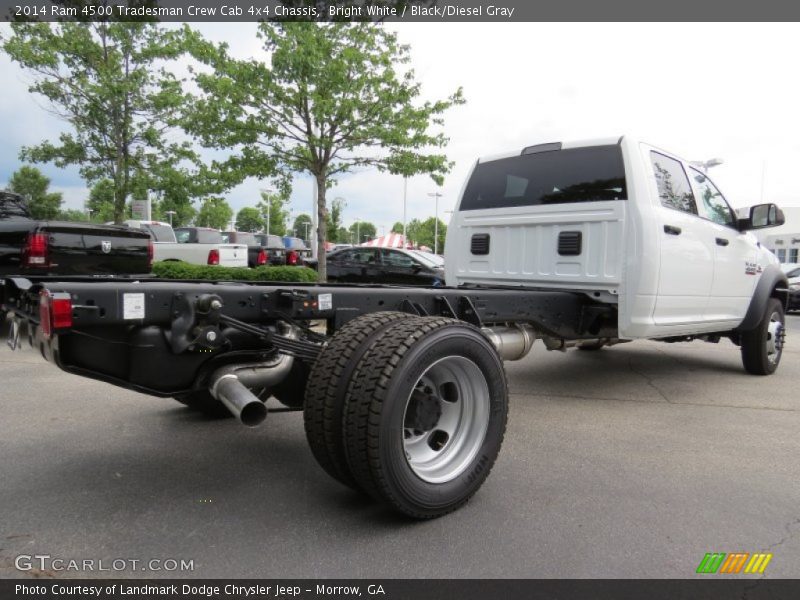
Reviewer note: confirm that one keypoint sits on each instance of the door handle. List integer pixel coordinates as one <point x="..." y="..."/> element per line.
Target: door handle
<point x="722" y="242"/>
<point x="672" y="230"/>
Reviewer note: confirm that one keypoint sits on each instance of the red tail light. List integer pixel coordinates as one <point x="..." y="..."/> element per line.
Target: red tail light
<point x="55" y="312"/>
<point x="35" y="252"/>
<point x="262" y="258"/>
<point x="150" y="253"/>
<point x="291" y="257"/>
<point x="213" y="256"/>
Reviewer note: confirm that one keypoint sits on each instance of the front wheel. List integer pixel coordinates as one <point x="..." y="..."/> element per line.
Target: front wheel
<point x="425" y="415"/>
<point x="762" y="346"/>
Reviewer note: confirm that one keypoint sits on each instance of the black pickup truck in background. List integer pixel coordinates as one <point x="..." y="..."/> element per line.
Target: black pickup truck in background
<point x="30" y="247"/>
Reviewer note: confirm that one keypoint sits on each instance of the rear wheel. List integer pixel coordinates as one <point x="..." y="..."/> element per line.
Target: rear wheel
<point x="425" y="415"/>
<point x="327" y="387"/>
<point x="762" y="347"/>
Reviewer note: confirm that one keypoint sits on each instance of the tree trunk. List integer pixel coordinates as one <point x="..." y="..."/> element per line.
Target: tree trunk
<point x="322" y="229"/>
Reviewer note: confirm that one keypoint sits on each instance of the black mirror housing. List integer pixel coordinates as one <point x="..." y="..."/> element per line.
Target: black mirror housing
<point x="762" y="216"/>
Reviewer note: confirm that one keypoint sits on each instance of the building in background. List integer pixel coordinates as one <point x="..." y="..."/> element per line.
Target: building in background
<point x="784" y="241"/>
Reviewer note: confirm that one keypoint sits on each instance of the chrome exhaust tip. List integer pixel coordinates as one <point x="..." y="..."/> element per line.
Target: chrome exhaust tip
<point x="242" y="403"/>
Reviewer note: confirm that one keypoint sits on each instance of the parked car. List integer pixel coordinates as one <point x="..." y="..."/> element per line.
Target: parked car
<point x="273" y="248"/>
<point x="32" y="247"/>
<point x="430" y="257"/>
<point x="366" y="264"/>
<point x="792" y="271"/>
<point x="297" y="253"/>
<point x="256" y="255"/>
<point x="205" y="246"/>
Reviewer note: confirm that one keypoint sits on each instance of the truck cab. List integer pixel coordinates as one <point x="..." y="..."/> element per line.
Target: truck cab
<point x="625" y="222"/>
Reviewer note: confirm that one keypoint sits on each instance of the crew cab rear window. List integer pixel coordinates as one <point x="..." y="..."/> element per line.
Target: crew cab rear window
<point x="202" y="236"/>
<point x="246" y="238"/>
<point x="589" y="174"/>
<point x="159" y="233"/>
<point x="206" y="236"/>
<point x="673" y="184"/>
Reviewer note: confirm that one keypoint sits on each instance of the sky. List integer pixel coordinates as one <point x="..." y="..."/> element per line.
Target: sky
<point x="701" y="91"/>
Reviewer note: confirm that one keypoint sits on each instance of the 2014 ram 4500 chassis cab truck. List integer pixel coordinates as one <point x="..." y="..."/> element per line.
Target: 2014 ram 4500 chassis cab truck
<point x="404" y="398"/>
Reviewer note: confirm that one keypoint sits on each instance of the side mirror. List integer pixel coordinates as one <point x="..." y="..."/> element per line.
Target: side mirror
<point x="762" y="216"/>
<point x="416" y="268"/>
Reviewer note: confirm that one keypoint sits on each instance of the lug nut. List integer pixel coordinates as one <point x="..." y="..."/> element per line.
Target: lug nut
<point x="211" y="336"/>
<point x="216" y="305"/>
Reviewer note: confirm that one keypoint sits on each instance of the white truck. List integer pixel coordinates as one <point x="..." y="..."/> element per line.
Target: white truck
<point x="405" y="397"/>
<point x="641" y="230"/>
<point x="194" y="245"/>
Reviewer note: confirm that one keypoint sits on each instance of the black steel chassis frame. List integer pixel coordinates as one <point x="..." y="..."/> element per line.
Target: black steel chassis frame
<point x="181" y="312"/>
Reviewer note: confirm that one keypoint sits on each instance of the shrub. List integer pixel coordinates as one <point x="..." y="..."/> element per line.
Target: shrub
<point x="180" y="270"/>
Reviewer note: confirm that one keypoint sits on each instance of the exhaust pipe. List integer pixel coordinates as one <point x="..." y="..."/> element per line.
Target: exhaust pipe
<point x="512" y="342"/>
<point x="243" y="404"/>
<point x="230" y="385"/>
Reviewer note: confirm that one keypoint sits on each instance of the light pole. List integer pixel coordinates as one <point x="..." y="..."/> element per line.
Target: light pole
<point x="436" y="195"/>
<point x="170" y="213"/>
<point x="405" y="196"/>
<point x="706" y="164"/>
<point x="268" y="200"/>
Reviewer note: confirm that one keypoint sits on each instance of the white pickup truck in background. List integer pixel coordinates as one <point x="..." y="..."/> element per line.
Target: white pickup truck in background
<point x="196" y="245"/>
<point x="635" y="227"/>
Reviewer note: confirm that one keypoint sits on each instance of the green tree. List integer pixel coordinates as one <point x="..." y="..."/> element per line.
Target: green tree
<point x="175" y="189"/>
<point x="363" y="231"/>
<point x="101" y="201"/>
<point x="71" y="214"/>
<point x="343" y="236"/>
<point x="331" y="100"/>
<point x="427" y="234"/>
<point x="273" y="208"/>
<point x="249" y="219"/>
<point x="299" y="226"/>
<point x="335" y="219"/>
<point x="109" y="81"/>
<point x="421" y="233"/>
<point x="397" y="227"/>
<point x="215" y="213"/>
<point x="30" y="183"/>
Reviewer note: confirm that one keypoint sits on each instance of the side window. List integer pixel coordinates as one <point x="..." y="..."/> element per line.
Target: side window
<point x="710" y="201"/>
<point x="795" y="272"/>
<point x="397" y="259"/>
<point x="362" y="256"/>
<point x="673" y="184"/>
<point x="183" y="236"/>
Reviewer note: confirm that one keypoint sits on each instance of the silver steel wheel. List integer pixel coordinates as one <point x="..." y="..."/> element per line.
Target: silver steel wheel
<point x="775" y="336"/>
<point x="446" y="418"/>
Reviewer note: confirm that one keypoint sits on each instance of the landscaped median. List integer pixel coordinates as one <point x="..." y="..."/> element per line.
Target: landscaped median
<point x="182" y="270"/>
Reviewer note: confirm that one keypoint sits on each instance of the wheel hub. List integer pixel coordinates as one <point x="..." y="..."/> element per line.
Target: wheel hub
<point x="776" y="334"/>
<point x="424" y="411"/>
<point x="446" y="419"/>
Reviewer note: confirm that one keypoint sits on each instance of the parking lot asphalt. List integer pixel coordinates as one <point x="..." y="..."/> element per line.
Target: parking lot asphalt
<point x="633" y="461"/>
